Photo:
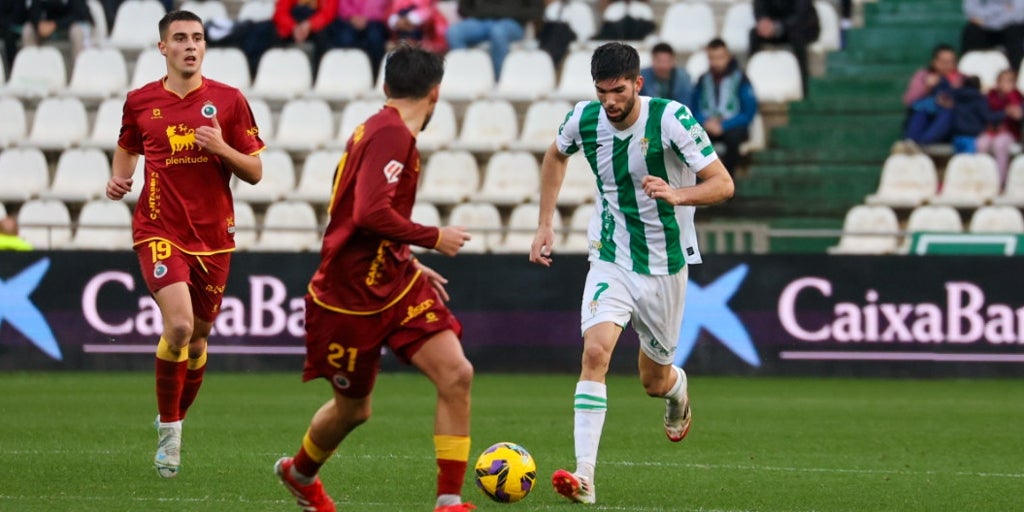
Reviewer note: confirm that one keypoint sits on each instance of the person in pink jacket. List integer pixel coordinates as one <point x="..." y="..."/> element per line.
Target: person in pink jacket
<point x="1004" y="98"/>
<point x="929" y="98"/>
<point x="362" y="24"/>
<point x="419" y="21"/>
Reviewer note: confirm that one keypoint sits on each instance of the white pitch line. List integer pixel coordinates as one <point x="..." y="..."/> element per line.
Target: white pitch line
<point x="815" y="470"/>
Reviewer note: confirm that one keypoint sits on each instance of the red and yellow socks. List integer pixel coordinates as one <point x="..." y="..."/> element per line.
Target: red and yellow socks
<point x="171" y="366"/>
<point x="193" y="381"/>
<point x="309" y="460"/>
<point x="452" y="456"/>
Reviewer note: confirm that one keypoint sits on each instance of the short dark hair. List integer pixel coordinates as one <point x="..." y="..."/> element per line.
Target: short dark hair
<point x="716" y="43"/>
<point x="173" y="16"/>
<point x="411" y="72"/>
<point x="972" y="82"/>
<point x="942" y="47"/>
<point x="614" y="60"/>
<point x="663" y="48"/>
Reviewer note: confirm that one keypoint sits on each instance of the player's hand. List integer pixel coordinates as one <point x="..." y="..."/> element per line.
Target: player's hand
<point x="543" y="242"/>
<point x="436" y="280"/>
<point x="117" y="187"/>
<point x="453" y="238"/>
<point x="657" y="188"/>
<point x="211" y="138"/>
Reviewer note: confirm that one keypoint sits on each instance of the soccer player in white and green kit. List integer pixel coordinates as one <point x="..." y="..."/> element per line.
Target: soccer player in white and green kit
<point x="653" y="164"/>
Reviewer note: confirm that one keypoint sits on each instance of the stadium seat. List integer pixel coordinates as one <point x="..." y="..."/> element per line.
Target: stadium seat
<point x="104" y="225"/>
<point x="526" y="76"/>
<point x="577" y="13"/>
<point x="59" y="123"/>
<point x="997" y="219"/>
<point x="775" y="76"/>
<point x="256" y="10"/>
<point x="245" y="225"/>
<point x="135" y="25"/>
<point x="45" y="223"/>
<point x="522" y="227"/>
<point x="100" y="30"/>
<point x="449" y="177"/>
<point x="38" y="71"/>
<point x="829" y="38"/>
<point x="227" y="65"/>
<point x="985" y="64"/>
<point x="264" y="120"/>
<point x="970" y="181"/>
<point x="12" y="130"/>
<point x="618" y="9"/>
<point x="278" y="179"/>
<point x="483" y="222"/>
<point x="1013" y="193"/>
<point x="3" y="211"/>
<point x="317" y="179"/>
<point x="868" y="230"/>
<point x="441" y="130"/>
<point x="757" y="140"/>
<point x="206" y="9"/>
<point x="81" y="175"/>
<point x="107" y="125"/>
<point x="424" y="214"/>
<point x="98" y="73"/>
<point x="736" y="26"/>
<point x="3" y="76"/>
<point x="579" y="185"/>
<point x="575" y="83"/>
<point x="283" y="73"/>
<point x="344" y="74"/>
<point x="936" y="219"/>
<point x="304" y="125"/>
<point x="488" y="126"/>
<point x="540" y="125"/>
<point x="355" y="114"/>
<point x="150" y="66"/>
<point x="289" y="226"/>
<point x="688" y="26"/>
<point x="697" y="64"/>
<point x="511" y="177"/>
<point x="907" y="181"/>
<point x="576" y="241"/>
<point x="468" y="75"/>
<point x="24" y="173"/>
<point x="138" y="175"/>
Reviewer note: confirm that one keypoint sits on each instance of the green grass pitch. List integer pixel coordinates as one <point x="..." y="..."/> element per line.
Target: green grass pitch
<point x="84" y="442"/>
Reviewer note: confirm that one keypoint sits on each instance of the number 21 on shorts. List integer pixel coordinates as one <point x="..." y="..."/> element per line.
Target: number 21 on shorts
<point x="336" y="353"/>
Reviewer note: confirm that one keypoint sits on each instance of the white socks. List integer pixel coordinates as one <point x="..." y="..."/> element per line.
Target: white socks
<point x="590" y="405"/>
<point x="677" y="395"/>
<point x="445" y="500"/>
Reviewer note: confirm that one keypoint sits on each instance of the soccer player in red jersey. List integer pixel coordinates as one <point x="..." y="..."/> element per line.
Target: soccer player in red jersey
<point x="194" y="134"/>
<point x="370" y="292"/>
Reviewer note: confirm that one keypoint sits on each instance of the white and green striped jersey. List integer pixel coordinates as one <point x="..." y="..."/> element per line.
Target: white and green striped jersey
<point x="629" y="228"/>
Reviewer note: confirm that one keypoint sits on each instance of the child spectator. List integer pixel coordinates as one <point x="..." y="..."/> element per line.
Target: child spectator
<point x="999" y="137"/>
<point x="419" y="21"/>
<point x="971" y="115"/>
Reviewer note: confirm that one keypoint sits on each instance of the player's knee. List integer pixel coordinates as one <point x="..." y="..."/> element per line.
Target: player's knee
<point x="178" y="331"/>
<point x="460" y="378"/>
<point x="596" y="357"/>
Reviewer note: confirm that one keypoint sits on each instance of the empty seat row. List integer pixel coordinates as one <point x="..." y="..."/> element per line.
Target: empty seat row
<point x="970" y="180"/>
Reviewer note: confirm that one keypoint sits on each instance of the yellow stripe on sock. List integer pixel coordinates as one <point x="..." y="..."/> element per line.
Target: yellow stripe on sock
<point x="195" y="363"/>
<point x="166" y="352"/>
<point x="452" y="447"/>
<point x="315" y="452"/>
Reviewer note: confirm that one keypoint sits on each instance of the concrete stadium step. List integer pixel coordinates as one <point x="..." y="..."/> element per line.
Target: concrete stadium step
<point x="848" y="105"/>
<point x="875" y="139"/>
<point x="823" y="156"/>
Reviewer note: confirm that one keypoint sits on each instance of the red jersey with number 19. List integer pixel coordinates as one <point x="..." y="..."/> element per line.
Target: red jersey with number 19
<point x="366" y="265"/>
<point x="185" y="197"/>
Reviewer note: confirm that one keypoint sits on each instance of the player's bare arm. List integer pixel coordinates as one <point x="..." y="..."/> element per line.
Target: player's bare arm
<point x="715" y="186"/>
<point x="451" y="240"/>
<point x="122" y="168"/>
<point x="552" y="173"/>
<point x="248" y="168"/>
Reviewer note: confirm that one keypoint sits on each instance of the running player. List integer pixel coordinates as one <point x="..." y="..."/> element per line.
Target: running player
<point x="183" y="227"/>
<point x="647" y="155"/>
<point x="370" y="292"/>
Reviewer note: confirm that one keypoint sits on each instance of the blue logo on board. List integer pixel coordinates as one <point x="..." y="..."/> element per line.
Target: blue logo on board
<point x="707" y="307"/>
<point x="19" y="311"/>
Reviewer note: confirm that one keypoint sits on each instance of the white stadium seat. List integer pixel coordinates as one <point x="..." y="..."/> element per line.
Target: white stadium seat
<point x="45" y="223"/>
<point x="830" y="38"/>
<point x="317" y="179"/>
<point x="205" y="9"/>
<point x="256" y="10"/>
<point x="577" y="13"/>
<point x="1013" y="192"/>
<point x="483" y="222"/>
<point x="24" y="173"/>
<point x="907" y="181"/>
<point x="775" y="76"/>
<point x="12" y="130"/>
<point x="449" y="177"/>
<point x="540" y="125"/>
<point x="522" y="227"/>
<point x="150" y="66"/>
<point x="468" y="75"/>
<point x="104" y="225"/>
<point x="985" y="64"/>
<point x="245" y="225"/>
<point x="304" y="125"/>
<point x="283" y="73"/>
<point x="511" y="177"/>
<point x="3" y="211"/>
<point x="38" y="71"/>
<point x="81" y="175"/>
<point x="106" y="126"/>
<point x="739" y="21"/>
<point x="526" y="76"/>
<point x="688" y="26"/>
<point x="441" y="130"/>
<point x="424" y="214"/>
<point x="289" y="226"/>
<point x="135" y="24"/>
<point x="278" y="179"/>
<point x="576" y="241"/>
<point x="100" y="30"/>
<point x="970" y="180"/>
<point x="488" y="126"/>
<point x="355" y="114"/>
<point x="697" y="64"/>
<point x="59" y="123"/>
<point x="264" y="120"/>
<point x="343" y="74"/>
<point x="757" y="140"/>
<point x="579" y="185"/>
<point x="868" y="230"/>
<point x="936" y="219"/>
<point x="997" y="219"/>
<point x="227" y="65"/>
<point x="98" y="73"/>
<point x="138" y="175"/>
<point x="576" y="84"/>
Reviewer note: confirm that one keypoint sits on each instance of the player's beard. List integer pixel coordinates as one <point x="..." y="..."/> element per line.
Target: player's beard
<point x="626" y="110"/>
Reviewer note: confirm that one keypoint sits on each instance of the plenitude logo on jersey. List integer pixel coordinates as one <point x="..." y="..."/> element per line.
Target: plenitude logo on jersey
<point x="707" y="307"/>
<point x="19" y="311"/>
<point x="182" y="139"/>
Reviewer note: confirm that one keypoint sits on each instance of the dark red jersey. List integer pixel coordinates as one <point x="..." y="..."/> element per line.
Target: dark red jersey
<point x="366" y="265"/>
<point x="185" y="197"/>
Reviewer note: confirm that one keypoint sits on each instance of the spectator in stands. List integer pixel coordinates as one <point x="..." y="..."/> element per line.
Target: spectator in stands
<point x="12" y="17"/>
<point x="995" y="22"/>
<point x="623" y="20"/>
<point x="792" y="22"/>
<point x="419" y="21"/>
<point x="664" y="79"/>
<point x="724" y="102"/>
<point x="51" y="20"/>
<point x="362" y="24"/>
<point x="971" y="115"/>
<point x="498" y="23"/>
<point x="999" y="137"/>
<point x="845" y="20"/>
<point x="294" y="22"/>
<point x="9" y="239"/>
<point x="929" y="98"/>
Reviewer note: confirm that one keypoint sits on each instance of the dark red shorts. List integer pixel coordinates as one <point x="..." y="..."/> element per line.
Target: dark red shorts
<point x="163" y="264"/>
<point x="345" y="349"/>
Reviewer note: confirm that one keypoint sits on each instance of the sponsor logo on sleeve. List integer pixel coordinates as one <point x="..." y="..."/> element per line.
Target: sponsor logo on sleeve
<point x="393" y="170"/>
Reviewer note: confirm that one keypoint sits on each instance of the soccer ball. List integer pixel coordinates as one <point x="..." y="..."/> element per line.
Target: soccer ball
<point x="505" y="472"/>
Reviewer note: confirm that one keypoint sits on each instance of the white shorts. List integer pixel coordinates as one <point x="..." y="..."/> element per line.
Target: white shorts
<point x="653" y="303"/>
